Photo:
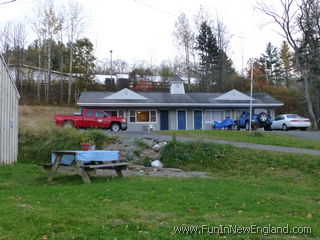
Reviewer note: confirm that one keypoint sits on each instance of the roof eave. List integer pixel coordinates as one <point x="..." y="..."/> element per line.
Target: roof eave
<point x="179" y="104"/>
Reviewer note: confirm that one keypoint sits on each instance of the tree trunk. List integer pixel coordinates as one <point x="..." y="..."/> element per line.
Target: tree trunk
<point x="70" y="74"/>
<point x="307" y="94"/>
<point x="49" y="73"/>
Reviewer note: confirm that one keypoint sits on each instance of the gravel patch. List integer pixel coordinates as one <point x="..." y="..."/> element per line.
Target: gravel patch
<point x="139" y="170"/>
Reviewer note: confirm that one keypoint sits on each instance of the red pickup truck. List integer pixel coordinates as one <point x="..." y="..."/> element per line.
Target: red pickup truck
<point x="91" y="118"/>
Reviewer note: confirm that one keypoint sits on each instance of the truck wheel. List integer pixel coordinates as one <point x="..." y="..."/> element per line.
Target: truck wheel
<point x="247" y="126"/>
<point x="115" y="127"/>
<point x="67" y="124"/>
<point x="263" y="117"/>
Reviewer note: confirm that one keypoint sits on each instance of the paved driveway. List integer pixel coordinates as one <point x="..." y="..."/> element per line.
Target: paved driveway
<point x="314" y="135"/>
<point x="156" y="137"/>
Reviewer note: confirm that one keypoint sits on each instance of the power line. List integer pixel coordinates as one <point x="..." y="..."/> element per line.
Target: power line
<point x="15" y="3"/>
<point x="7" y="2"/>
<point x="156" y="8"/>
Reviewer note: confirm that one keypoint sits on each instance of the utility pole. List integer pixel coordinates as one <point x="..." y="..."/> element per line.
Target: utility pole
<point x="111" y="64"/>
<point x="251" y="85"/>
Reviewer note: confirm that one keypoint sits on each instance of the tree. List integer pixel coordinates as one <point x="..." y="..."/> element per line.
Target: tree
<point x="75" y="23"/>
<point x="47" y="24"/>
<point x="259" y="78"/>
<point x="83" y="60"/>
<point x="185" y="39"/>
<point x="208" y="52"/>
<point x="272" y="64"/>
<point x="14" y="46"/>
<point x="299" y="25"/>
<point x="287" y="64"/>
<point x="166" y="71"/>
<point x="224" y="63"/>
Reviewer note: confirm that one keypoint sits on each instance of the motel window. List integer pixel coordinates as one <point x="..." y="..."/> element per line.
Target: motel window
<point x="120" y="113"/>
<point x="143" y="116"/>
<point x="228" y="113"/>
<point x="214" y="115"/>
<point x="132" y="116"/>
<point x="208" y="116"/>
<point x="112" y="113"/>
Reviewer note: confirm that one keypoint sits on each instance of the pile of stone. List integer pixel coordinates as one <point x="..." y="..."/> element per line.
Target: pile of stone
<point x="138" y="150"/>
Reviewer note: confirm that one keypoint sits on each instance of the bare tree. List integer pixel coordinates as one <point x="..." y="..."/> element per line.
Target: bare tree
<point x="184" y="37"/>
<point x="13" y="41"/>
<point x="5" y="40"/>
<point x="75" y="23"/>
<point x="223" y="40"/>
<point x="47" y="24"/>
<point x="299" y="23"/>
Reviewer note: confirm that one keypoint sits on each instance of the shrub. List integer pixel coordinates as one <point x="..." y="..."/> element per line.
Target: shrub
<point x="36" y="145"/>
<point x="196" y="155"/>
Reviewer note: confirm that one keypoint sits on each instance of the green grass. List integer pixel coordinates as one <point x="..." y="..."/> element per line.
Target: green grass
<point x="247" y="187"/>
<point x="227" y="160"/>
<point x="148" y="208"/>
<point x="244" y="136"/>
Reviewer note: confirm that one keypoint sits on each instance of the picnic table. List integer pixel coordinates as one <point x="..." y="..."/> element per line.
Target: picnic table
<point x="83" y="163"/>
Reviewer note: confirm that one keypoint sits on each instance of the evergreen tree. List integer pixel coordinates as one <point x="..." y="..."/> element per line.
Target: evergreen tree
<point x="272" y="64"/>
<point x="208" y="52"/>
<point x="286" y="59"/>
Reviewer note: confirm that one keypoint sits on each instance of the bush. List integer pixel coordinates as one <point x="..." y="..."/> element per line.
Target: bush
<point x="197" y="155"/>
<point x="36" y="145"/>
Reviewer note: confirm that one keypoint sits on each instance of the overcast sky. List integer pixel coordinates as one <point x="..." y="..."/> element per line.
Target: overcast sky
<point x="142" y="29"/>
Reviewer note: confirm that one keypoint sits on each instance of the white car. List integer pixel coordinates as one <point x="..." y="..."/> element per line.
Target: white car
<point x="290" y="121"/>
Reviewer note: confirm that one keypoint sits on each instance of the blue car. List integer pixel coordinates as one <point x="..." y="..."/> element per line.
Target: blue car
<point x="260" y="120"/>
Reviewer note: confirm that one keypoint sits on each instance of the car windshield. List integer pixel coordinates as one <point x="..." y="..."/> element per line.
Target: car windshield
<point x="293" y="116"/>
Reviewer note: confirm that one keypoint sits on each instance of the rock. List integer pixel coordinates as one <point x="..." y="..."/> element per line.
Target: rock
<point x="141" y="171"/>
<point x="152" y="155"/>
<point x="157" y="163"/>
<point x="156" y="147"/>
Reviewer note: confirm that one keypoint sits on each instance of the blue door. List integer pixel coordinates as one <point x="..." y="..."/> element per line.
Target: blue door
<point x="182" y="120"/>
<point x="164" y="120"/>
<point x="197" y="120"/>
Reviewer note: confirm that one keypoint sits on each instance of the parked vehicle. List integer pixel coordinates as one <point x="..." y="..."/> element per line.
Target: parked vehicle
<point x="260" y="120"/>
<point x="91" y="118"/>
<point x="290" y="121"/>
<point x="225" y="124"/>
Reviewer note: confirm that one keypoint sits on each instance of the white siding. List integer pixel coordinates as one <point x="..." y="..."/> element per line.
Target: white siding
<point x="9" y="98"/>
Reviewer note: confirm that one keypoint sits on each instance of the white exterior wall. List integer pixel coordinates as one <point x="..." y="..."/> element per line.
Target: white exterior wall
<point x="9" y="107"/>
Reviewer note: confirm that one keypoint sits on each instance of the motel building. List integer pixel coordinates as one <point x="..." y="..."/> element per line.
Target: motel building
<point x="175" y="110"/>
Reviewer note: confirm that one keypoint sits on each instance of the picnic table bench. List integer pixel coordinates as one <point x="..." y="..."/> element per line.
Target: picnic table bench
<point x="83" y="163"/>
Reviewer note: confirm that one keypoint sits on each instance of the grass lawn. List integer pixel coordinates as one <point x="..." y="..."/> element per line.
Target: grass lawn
<point x="247" y="187"/>
<point x="149" y="208"/>
<point x="244" y="136"/>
